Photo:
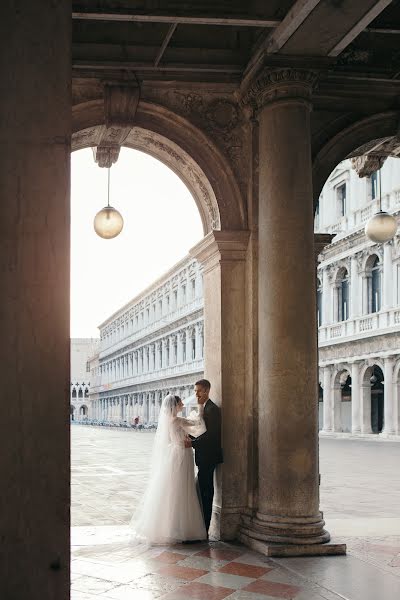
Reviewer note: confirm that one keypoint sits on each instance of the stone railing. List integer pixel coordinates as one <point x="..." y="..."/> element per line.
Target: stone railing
<point x="360" y="326"/>
<point x="194" y="366"/>
<point x="358" y="218"/>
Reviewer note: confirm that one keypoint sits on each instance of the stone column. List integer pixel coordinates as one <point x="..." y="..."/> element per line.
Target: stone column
<point x="387" y="276"/>
<point x="288" y="495"/>
<point x="326" y="298"/>
<point x="180" y="347"/>
<point x="35" y="136"/>
<point x="223" y="255"/>
<point x="328" y="399"/>
<point x="389" y="425"/>
<point x="354" y="288"/>
<point x="366" y="408"/>
<point x="355" y="398"/>
<point x="198" y="341"/>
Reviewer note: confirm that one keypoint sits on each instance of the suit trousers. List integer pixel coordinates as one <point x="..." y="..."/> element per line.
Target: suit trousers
<point x="205" y="478"/>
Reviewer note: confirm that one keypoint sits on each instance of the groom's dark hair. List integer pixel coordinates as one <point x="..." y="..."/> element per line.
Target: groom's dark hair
<point x="204" y="383"/>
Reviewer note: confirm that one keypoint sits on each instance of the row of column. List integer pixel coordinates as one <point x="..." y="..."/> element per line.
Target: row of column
<point x="187" y="290"/>
<point x="360" y="398"/>
<point x="127" y="407"/>
<point x="176" y="349"/>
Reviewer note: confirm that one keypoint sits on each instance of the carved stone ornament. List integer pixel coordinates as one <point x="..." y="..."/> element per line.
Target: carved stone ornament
<point x="367" y="164"/>
<point x="177" y="159"/>
<point x="105" y="156"/>
<point x="280" y="84"/>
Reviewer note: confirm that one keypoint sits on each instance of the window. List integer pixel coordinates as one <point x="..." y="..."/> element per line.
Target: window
<point x="88" y="367"/>
<point x="147" y="315"/>
<point x="345" y="299"/>
<point x="193" y="348"/>
<point x="319" y="303"/>
<point x="183" y="294"/>
<point x="376" y="299"/>
<point x="74" y="393"/>
<point x="80" y="393"/>
<point x="374" y="184"/>
<point x="341" y="199"/>
<point x="184" y="350"/>
<point x="193" y="289"/>
<point x="175" y="299"/>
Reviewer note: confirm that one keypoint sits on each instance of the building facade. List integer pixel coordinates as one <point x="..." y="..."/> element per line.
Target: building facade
<point x="154" y="345"/>
<point x="358" y="298"/>
<point x="81" y="351"/>
<point x="151" y="347"/>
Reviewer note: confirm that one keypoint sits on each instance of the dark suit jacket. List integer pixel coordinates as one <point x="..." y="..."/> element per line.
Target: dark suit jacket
<point x="207" y="447"/>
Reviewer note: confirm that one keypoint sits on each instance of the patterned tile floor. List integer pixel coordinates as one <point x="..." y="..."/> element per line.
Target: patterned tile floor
<point x="120" y="571"/>
<point x="359" y="493"/>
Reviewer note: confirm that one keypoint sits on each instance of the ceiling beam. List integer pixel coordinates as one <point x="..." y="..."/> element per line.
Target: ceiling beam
<point x="81" y="64"/>
<point x="365" y="20"/>
<point x="244" y="21"/>
<point x="273" y="41"/>
<point x="165" y="43"/>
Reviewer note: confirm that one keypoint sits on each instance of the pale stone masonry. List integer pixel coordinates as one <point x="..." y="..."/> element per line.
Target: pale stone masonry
<point x="151" y="346"/>
<point x="155" y="343"/>
<point x="358" y="291"/>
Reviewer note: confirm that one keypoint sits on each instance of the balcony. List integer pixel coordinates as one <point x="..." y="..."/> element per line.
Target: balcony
<point x="151" y="327"/>
<point x="381" y="322"/>
<point x="194" y="366"/>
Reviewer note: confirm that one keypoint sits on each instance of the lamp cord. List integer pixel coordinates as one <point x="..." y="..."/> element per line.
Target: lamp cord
<point x="108" y="188"/>
<point x="380" y="185"/>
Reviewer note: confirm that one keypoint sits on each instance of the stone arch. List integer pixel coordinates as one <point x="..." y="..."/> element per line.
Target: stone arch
<point x="352" y="141"/>
<point x="372" y="405"/>
<point x="184" y="149"/>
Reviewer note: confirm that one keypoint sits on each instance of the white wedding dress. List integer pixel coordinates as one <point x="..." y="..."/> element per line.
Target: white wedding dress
<point x="170" y="511"/>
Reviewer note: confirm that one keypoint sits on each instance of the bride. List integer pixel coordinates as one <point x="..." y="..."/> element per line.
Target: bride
<point x="170" y="511"/>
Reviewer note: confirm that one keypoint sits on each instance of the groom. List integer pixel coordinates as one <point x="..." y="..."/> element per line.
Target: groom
<point x="207" y="447"/>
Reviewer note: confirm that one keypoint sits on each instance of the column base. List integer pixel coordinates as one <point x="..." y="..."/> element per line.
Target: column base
<point x="285" y="550"/>
<point x="299" y="531"/>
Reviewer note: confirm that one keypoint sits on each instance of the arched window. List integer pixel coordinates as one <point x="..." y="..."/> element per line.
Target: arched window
<point x="184" y="349"/>
<point x="86" y="392"/>
<point x="80" y="393"/>
<point x="376" y="286"/>
<point x="74" y="392"/>
<point x="319" y="303"/>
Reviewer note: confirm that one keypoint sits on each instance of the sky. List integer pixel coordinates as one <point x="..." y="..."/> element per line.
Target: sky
<point x="161" y="224"/>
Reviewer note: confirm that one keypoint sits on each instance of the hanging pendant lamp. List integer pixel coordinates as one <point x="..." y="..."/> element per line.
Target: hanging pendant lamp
<point x="108" y="222"/>
<point x="382" y="226"/>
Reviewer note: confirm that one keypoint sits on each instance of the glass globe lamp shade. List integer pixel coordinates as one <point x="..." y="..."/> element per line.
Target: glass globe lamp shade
<point x="381" y="227"/>
<point x="108" y="223"/>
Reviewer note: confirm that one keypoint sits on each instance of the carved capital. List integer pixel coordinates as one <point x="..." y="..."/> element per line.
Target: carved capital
<point x="274" y="85"/>
<point x="367" y="164"/>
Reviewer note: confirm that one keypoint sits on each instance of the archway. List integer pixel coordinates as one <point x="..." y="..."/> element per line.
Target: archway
<point x="372" y="399"/>
<point x="208" y="176"/>
<point x="375" y="133"/>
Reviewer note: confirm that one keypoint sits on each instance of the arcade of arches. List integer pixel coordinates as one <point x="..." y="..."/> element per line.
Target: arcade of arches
<point x="253" y="119"/>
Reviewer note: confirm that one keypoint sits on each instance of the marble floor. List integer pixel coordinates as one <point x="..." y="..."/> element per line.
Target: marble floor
<point x="359" y="494"/>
